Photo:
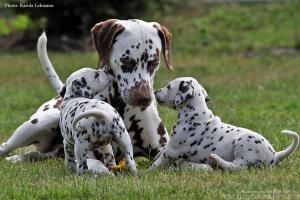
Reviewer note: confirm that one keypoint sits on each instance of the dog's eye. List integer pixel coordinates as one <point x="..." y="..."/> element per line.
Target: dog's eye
<point x="151" y="65"/>
<point x="129" y="62"/>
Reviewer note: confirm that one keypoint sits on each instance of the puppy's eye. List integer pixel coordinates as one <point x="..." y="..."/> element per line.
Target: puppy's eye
<point x="169" y="87"/>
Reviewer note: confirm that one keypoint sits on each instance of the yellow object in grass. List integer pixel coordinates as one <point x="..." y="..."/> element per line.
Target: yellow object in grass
<point x="120" y="167"/>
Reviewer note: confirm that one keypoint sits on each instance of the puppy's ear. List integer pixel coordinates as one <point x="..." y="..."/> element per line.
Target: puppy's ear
<point x="186" y="91"/>
<point x="205" y="94"/>
<point x="103" y="36"/>
<point x="63" y="91"/>
<point x="166" y="41"/>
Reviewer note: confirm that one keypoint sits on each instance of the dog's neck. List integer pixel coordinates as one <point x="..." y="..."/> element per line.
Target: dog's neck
<point x="194" y="105"/>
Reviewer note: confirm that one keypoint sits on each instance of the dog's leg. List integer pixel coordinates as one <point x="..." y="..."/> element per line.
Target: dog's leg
<point x="154" y="135"/>
<point x="124" y="143"/>
<point x="37" y="130"/>
<point x="226" y="165"/>
<point x="81" y="148"/>
<point x="69" y="156"/>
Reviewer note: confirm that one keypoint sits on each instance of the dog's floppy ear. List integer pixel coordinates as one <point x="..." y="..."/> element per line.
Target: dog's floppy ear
<point x="166" y="40"/>
<point x="63" y="91"/>
<point x="186" y="91"/>
<point x="103" y="35"/>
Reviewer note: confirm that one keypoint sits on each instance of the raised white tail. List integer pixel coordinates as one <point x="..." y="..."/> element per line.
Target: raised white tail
<point x="89" y="113"/>
<point x="47" y="66"/>
<point x="290" y="149"/>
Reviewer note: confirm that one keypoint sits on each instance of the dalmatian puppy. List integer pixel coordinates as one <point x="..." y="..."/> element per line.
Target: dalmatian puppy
<point x="87" y="123"/>
<point x="201" y="140"/>
<point x="130" y="50"/>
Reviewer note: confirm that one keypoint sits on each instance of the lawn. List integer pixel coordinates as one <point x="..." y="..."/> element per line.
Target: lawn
<point x="250" y="68"/>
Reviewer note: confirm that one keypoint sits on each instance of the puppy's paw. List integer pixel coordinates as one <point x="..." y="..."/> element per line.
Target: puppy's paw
<point x="3" y="149"/>
<point x="213" y="157"/>
<point x="15" y="158"/>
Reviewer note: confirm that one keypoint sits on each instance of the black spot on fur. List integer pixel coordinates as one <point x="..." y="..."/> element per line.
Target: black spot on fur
<point x="182" y="88"/>
<point x="193" y="143"/>
<point x="194" y="153"/>
<point x="221" y="138"/>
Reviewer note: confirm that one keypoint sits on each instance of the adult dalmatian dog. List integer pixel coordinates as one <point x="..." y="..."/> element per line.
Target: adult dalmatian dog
<point x="87" y="122"/>
<point x="200" y="140"/>
<point x="130" y="51"/>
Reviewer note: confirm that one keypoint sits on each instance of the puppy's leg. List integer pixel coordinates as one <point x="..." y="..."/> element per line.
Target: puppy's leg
<point x="226" y="165"/>
<point x="81" y="149"/>
<point x="124" y="142"/>
<point x="194" y="166"/>
<point x="69" y="155"/>
<point x="97" y="167"/>
<point x="160" y="161"/>
<point x="32" y="156"/>
<point x="108" y="155"/>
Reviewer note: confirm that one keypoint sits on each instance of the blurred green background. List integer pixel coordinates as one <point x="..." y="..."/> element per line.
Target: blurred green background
<point x="210" y="26"/>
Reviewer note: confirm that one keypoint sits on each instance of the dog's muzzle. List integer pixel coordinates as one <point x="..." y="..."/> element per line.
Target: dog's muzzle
<point x="140" y="94"/>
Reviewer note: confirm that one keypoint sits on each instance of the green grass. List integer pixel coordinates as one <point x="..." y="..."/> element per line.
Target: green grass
<point x="259" y="92"/>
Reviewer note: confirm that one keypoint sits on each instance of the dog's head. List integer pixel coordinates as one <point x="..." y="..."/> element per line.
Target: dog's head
<point x="88" y="83"/>
<point x="179" y="91"/>
<point x="131" y="50"/>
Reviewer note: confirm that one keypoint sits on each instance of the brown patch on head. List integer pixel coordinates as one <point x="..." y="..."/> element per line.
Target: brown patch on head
<point x="166" y="40"/>
<point x="57" y="105"/>
<point x="151" y="65"/>
<point x="103" y="35"/>
<point x="34" y="121"/>
<point x="128" y="64"/>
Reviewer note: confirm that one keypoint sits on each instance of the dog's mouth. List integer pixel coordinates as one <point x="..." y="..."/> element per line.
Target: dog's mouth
<point x="138" y="95"/>
<point x="136" y="100"/>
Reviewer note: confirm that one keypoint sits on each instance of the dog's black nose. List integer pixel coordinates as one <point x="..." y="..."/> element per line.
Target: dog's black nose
<point x="207" y="99"/>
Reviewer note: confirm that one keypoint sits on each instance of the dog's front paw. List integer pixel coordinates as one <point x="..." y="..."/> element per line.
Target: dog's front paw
<point x="15" y="158"/>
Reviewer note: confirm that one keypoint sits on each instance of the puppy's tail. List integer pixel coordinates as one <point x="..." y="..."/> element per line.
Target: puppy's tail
<point x="290" y="149"/>
<point x="47" y="66"/>
<point x="101" y="117"/>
